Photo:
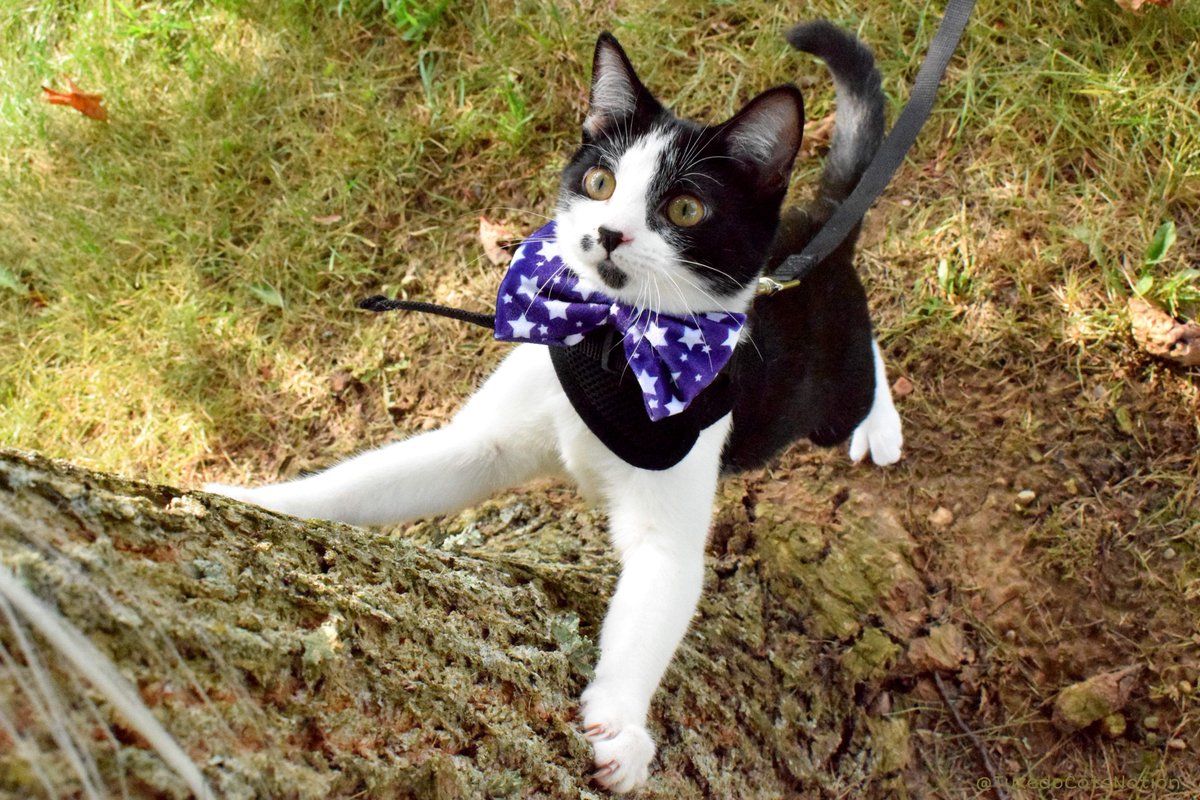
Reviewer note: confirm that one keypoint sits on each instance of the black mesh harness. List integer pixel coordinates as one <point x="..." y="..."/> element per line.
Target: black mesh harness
<point x="602" y="389"/>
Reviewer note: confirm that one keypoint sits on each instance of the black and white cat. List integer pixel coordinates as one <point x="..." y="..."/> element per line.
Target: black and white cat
<point x="667" y="217"/>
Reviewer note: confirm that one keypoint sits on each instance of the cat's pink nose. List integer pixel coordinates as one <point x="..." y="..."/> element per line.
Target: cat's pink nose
<point x="610" y="239"/>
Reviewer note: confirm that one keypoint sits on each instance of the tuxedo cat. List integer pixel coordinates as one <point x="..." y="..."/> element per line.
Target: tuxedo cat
<point x="659" y="218"/>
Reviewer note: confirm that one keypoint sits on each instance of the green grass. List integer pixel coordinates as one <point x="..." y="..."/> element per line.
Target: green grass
<point x="266" y="164"/>
<point x="177" y="286"/>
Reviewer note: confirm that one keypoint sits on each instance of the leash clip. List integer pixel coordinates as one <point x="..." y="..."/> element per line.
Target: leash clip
<point x="768" y="286"/>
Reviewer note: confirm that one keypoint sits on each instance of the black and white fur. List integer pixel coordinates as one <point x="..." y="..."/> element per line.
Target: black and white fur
<point x="809" y="367"/>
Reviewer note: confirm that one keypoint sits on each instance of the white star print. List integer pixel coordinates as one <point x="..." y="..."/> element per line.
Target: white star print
<point x="691" y="337"/>
<point x="655" y="335"/>
<point x="522" y="328"/>
<point x="543" y="329"/>
<point x="573" y="339"/>
<point x="508" y="298"/>
<point x="529" y="286"/>
<point x="549" y="249"/>
<point x="557" y="308"/>
<point x="732" y="340"/>
<point x="646" y="381"/>
<point x="675" y="406"/>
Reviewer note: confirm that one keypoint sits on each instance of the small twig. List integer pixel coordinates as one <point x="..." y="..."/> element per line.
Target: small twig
<point x="988" y="767"/>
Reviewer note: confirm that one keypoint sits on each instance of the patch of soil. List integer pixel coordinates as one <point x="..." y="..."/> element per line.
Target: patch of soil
<point x="1055" y="523"/>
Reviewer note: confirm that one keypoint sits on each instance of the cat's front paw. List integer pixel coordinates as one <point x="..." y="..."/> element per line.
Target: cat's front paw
<point x="623" y="761"/>
<point x="622" y="750"/>
<point x="243" y="493"/>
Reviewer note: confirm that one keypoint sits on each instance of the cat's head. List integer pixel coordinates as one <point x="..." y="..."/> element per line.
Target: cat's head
<point x="668" y="214"/>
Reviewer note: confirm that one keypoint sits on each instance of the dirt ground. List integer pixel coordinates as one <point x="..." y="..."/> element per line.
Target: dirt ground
<point x="1052" y="521"/>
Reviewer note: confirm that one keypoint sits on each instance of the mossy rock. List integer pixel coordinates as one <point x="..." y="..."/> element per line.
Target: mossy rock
<point x="295" y="658"/>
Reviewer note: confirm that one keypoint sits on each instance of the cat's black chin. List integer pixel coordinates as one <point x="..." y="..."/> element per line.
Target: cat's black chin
<point x="612" y="275"/>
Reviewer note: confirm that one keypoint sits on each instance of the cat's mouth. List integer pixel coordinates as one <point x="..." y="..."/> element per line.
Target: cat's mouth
<point x="612" y="275"/>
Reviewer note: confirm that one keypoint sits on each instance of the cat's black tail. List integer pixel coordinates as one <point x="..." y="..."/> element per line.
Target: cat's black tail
<point x="806" y="371"/>
<point x="858" y="129"/>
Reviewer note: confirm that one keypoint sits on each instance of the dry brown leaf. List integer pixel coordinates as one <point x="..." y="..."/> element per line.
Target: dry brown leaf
<point x="1136" y="5"/>
<point x="1100" y="696"/>
<point x="87" y="104"/>
<point x="1161" y="335"/>
<point x="817" y="135"/>
<point x="497" y="239"/>
<point x="945" y="649"/>
<point x="903" y="387"/>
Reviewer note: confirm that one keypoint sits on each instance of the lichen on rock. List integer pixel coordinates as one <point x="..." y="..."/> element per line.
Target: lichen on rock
<point x="308" y="659"/>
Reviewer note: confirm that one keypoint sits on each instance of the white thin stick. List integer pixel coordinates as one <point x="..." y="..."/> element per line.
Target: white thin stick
<point x="26" y="750"/>
<point x="45" y="697"/>
<point x="100" y="672"/>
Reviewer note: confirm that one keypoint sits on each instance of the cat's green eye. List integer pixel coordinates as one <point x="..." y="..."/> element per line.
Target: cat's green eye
<point x="685" y="211"/>
<point x="599" y="183"/>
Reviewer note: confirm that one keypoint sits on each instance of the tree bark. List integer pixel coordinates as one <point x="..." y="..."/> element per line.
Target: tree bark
<point x="304" y="659"/>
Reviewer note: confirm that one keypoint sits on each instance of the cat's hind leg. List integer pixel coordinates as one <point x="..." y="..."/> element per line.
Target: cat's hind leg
<point x="880" y="434"/>
<point x="497" y="440"/>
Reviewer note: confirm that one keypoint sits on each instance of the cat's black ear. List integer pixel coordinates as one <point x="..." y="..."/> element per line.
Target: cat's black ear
<point x="766" y="134"/>
<point x="616" y="90"/>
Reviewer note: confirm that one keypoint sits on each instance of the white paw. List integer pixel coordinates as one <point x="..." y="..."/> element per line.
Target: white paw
<point x="623" y="761"/>
<point x="622" y="750"/>
<point x="880" y="434"/>
<point x="243" y="493"/>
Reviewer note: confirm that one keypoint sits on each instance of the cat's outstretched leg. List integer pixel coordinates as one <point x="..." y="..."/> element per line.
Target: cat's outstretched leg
<point x="496" y="440"/>
<point x="659" y="523"/>
<point x="880" y="433"/>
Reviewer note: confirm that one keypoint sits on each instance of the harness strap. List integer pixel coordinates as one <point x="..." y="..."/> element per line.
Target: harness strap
<point x="605" y="394"/>
<point x="887" y="159"/>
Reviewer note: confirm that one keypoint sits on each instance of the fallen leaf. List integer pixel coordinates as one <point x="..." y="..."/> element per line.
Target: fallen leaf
<point x="942" y="517"/>
<point x="817" y="135"/>
<point x="1100" y="696"/>
<point x="903" y="387"/>
<point x="1136" y="5"/>
<point x="10" y="281"/>
<point x="87" y="104"/>
<point x="943" y="650"/>
<point x="331" y="219"/>
<point x="1161" y="335"/>
<point x="497" y="239"/>
<point x="267" y="294"/>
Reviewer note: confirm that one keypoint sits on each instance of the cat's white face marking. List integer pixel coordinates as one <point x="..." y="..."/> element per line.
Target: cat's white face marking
<point x="651" y="274"/>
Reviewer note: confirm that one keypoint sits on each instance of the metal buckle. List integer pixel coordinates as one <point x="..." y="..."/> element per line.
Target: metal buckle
<point x="769" y="286"/>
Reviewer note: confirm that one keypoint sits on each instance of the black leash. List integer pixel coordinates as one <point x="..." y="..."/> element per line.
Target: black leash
<point x="887" y="159"/>
<point x="379" y="303"/>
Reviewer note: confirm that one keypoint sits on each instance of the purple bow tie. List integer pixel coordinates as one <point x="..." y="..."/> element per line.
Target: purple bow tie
<point x="541" y="300"/>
